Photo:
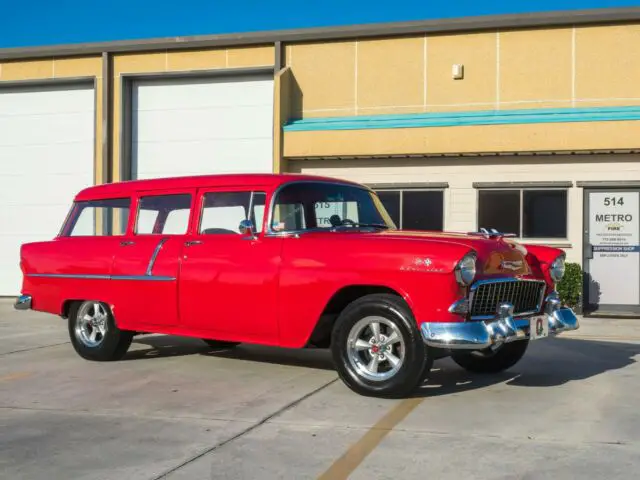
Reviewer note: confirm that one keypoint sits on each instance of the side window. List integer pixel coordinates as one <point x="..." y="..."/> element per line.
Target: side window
<point x="99" y="218"/>
<point x="222" y="212"/>
<point x="163" y="214"/>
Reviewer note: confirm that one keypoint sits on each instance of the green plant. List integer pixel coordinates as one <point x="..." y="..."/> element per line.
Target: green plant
<point x="570" y="287"/>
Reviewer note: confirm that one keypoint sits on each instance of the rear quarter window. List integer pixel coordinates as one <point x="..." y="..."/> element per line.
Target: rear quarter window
<point x="95" y="218"/>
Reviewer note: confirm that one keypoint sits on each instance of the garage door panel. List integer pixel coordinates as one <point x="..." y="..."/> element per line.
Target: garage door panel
<point x="33" y="221"/>
<point x="205" y="157"/>
<point x="46" y="129"/>
<point x="49" y="100"/>
<point x="241" y="122"/>
<point x="54" y="189"/>
<point x="204" y="126"/>
<point x="178" y="94"/>
<point x="46" y="157"/>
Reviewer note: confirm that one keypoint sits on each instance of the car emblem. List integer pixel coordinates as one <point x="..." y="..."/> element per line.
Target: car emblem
<point x="423" y="261"/>
<point x="511" y="265"/>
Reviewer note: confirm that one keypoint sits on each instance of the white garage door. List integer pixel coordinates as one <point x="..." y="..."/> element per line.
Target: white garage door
<point x="202" y="126"/>
<point x="46" y="156"/>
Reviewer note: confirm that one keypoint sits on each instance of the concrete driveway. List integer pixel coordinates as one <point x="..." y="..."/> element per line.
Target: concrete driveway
<point x="173" y="409"/>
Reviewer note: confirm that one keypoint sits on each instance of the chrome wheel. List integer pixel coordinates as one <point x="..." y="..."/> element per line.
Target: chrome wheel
<point x="375" y="348"/>
<point x="91" y="324"/>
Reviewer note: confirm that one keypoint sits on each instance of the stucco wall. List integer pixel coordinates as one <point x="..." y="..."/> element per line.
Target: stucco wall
<point x="535" y="68"/>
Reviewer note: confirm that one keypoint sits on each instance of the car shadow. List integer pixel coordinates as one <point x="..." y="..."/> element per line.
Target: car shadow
<point x="546" y="363"/>
<point x="172" y="346"/>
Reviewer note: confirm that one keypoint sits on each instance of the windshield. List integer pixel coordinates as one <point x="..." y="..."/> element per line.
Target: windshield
<point x="313" y="206"/>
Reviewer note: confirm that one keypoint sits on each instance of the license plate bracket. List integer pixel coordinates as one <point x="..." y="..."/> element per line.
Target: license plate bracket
<point x="538" y="328"/>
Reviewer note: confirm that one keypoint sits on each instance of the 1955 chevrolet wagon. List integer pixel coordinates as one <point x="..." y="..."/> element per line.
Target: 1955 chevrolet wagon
<point x="291" y="261"/>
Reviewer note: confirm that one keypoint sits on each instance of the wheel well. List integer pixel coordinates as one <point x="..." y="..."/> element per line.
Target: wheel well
<point x="321" y="335"/>
<point x="66" y="307"/>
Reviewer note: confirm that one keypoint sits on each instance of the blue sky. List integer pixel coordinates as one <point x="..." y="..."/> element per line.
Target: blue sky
<point x="50" y="22"/>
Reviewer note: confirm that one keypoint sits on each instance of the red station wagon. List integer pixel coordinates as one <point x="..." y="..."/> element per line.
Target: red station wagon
<point x="292" y="261"/>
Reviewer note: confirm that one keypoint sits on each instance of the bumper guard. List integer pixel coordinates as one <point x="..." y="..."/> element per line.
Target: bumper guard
<point x="504" y="328"/>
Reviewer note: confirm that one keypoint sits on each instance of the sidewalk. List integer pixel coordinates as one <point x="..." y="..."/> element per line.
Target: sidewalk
<point x="611" y="329"/>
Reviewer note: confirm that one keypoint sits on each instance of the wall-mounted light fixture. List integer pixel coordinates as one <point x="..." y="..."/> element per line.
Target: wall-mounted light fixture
<point x="457" y="71"/>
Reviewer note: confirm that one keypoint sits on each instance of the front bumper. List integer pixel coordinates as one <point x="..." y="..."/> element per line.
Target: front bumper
<point x="23" y="302"/>
<point x="478" y="335"/>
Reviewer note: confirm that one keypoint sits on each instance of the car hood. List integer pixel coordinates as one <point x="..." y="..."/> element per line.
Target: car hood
<point x="497" y="256"/>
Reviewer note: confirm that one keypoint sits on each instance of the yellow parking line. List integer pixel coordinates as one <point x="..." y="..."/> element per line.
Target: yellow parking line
<point x="15" y="376"/>
<point x="352" y="458"/>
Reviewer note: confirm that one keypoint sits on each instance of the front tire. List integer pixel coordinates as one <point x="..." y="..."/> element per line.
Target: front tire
<point x="94" y="334"/>
<point x="377" y="348"/>
<point x="492" y="362"/>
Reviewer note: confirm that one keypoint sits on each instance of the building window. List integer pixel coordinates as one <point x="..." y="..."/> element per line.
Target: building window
<point x="413" y="209"/>
<point x="526" y="212"/>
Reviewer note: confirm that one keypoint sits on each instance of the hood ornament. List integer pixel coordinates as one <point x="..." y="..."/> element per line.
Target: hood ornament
<point x="492" y="233"/>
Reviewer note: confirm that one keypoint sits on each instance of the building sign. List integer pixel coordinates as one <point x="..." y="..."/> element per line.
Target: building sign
<point x="614" y="235"/>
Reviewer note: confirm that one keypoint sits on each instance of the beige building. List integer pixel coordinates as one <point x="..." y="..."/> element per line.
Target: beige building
<point x="525" y="123"/>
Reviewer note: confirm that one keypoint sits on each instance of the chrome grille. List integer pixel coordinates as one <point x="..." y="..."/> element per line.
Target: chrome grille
<point x="524" y="295"/>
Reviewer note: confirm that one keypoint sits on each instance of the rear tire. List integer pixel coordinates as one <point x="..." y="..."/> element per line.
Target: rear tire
<point x="219" y="344"/>
<point x="494" y="362"/>
<point x="377" y="348"/>
<point x="94" y="334"/>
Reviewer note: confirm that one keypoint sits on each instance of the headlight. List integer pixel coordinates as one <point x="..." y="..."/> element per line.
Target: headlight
<point x="557" y="269"/>
<point x="466" y="269"/>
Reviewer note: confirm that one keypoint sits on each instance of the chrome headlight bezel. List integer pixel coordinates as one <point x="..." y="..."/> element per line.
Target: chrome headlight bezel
<point x="465" y="270"/>
<point x="557" y="268"/>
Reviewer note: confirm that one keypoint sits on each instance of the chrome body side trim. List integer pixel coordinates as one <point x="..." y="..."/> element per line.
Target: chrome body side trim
<point x="154" y="255"/>
<point x="152" y="278"/>
<point x="148" y="278"/>
<point x="70" y="275"/>
<point x="23" y="302"/>
<point x="503" y="328"/>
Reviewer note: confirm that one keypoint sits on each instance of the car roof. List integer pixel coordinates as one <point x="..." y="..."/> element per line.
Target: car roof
<point x="269" y="181"/>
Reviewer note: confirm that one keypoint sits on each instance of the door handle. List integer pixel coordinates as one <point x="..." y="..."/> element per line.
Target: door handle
<point x="192" y="242"/>
<point x="125" y="243"/>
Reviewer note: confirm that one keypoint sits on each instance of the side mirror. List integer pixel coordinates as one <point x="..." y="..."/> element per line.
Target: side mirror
<point x="247" y="229"/>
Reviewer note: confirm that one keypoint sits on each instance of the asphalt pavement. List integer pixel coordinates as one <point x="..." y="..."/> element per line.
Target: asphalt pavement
<point x="172" y="409"/>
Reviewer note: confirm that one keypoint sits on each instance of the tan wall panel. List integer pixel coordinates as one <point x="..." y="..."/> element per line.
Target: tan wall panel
<point x="78" y="67"/>
<point x="485" y="138"/>
<point x="536" y="65"/>
<point x="251" y="57"/>
<point x="139" y="62"/>
<point x="325" y="73"/>
<point x="608" y="62"/>
<point x="116" y="118"/>
<point x="26" y="70"/>
<point x="391" y="73"/>
<point x="478" y="54"/>
<point x="196" y="60"/>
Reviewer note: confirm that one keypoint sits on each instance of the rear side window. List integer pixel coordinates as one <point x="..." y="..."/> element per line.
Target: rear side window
<point x="222" y="212"/>
<point x="98" y="218"/>
<point x="164" y="214"/>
